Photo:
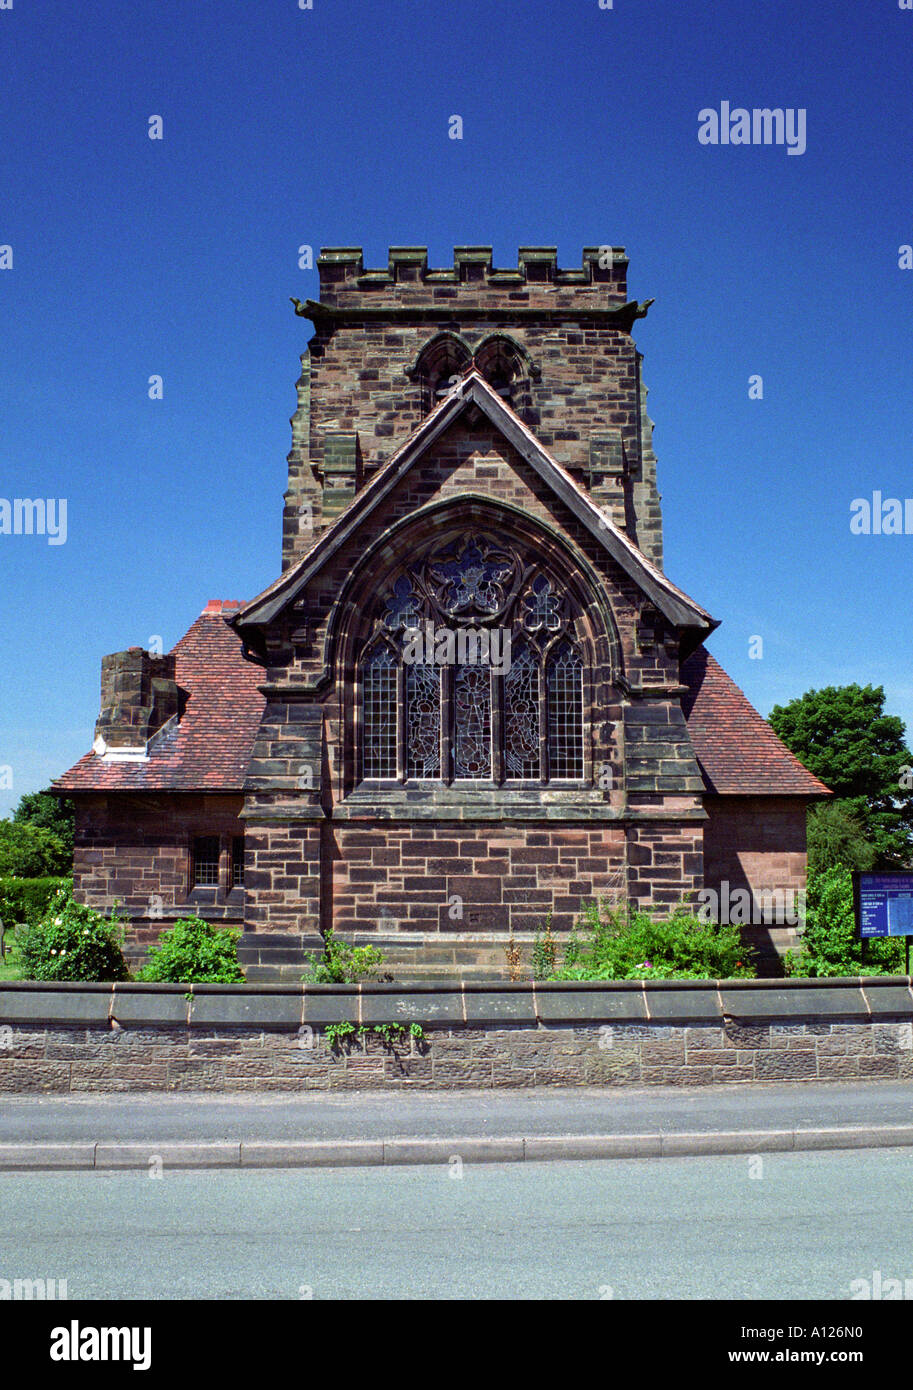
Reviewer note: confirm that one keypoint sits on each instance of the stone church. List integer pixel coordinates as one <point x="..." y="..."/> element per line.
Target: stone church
<point x="472" y="698"/>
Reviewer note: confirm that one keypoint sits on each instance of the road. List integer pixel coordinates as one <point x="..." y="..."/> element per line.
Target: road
<point x="391" y="1114"/>
<point x="800" y="1226"/>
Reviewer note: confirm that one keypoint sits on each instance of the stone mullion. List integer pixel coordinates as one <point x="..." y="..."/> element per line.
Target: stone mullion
<point x="497" y="728"/>
<point x="402" y="726"/>
<point x="447" y="724"/>
<point x="224" y="886"/>
<point x="588" y="717"/>
<point x="189" y="866"/>
<point x="543" y="721"/>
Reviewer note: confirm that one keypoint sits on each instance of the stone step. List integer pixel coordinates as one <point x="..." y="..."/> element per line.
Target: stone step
<point x="275" y="956"/>
<point x="273" y="974"/>
<point x="417" y="974"/>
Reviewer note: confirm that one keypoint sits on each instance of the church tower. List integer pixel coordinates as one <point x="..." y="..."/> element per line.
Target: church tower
<point x="472" y="653"/>
<point x="472" y="700"/>
<point x="556" y="344"/>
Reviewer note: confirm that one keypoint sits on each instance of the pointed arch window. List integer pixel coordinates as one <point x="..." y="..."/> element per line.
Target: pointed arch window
<point x="380" y="706"/>
<point x="472" y="721"/>
<point x="564" y="687"/>
<point x="473" y="673"/>
<point x="522" y="752"/>
<point x="423" y="720"/>
<point x="500" y="364"/>
<point x="499" y="358"/>
<point x="439" y="367"/>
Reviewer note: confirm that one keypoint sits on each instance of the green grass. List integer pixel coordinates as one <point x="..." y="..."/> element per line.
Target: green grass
<point x="9" y="966"/>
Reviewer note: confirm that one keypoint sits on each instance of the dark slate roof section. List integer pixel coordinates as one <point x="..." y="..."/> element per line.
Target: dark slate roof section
<point x="738" y="752"/>
<point x="210" y="748"/>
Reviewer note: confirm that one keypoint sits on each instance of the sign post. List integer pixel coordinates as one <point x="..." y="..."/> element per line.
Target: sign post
<point x="883" y="904"/>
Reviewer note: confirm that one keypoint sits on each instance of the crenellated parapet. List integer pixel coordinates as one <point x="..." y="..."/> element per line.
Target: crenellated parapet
<point x="343" y="273"/>
<point x="554" y="342"/>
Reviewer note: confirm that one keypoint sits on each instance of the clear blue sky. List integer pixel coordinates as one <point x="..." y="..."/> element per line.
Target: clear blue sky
<point x="329" y="126"/>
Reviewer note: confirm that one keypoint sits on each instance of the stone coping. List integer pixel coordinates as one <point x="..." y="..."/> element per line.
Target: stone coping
<point x="457" y="1004"/>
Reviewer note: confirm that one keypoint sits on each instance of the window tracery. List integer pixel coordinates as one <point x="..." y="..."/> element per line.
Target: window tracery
<point x="472" y="671"/>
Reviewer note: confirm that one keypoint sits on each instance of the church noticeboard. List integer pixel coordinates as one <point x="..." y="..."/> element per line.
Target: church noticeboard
<point x="884" y="903"/>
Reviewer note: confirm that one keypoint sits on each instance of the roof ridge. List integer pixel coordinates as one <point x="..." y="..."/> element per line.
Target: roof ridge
<point x="473" y="388"/>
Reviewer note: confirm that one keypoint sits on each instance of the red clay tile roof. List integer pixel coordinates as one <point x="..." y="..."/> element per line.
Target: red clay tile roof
<point x="738" y="751"/>
<point x="210" y="748"/>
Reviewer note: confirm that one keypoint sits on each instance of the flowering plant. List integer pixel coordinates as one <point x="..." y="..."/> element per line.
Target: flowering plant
<point x="72" y="942"/>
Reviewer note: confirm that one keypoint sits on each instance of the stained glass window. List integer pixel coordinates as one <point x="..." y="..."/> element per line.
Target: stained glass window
<point x="472" y="722"/>
<point x="521" y="715"/>
<point x="432" y="711"/>
<point x="542" y="608"/>
<point x="380" y="713"/>
<point x="423" y="721"/>
<point x="564" y="684"/>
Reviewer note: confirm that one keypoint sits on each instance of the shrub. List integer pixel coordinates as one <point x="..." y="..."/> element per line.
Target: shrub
<point x="627" y="944"/>
<point x="72" y="942"/>
<point x="195" y="952"/>
<point x="544" y="955"/>
<point x="344" y="965"/>
<point x="25" y="900"/>
<point x="32" y="851"/>
<point x="830" y="944"/>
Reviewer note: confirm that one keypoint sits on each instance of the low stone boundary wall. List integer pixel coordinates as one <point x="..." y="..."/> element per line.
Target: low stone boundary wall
<point x="135" y="1037"/>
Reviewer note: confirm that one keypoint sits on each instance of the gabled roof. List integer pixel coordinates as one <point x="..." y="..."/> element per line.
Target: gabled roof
<point x="473" y="390"/>
<point x="738" y="751"/>
<point x="210" y="746"/>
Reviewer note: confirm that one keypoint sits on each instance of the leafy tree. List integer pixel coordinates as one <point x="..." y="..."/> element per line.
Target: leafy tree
<point x="31" y="851"/>
<point x="54" y="813"/>
<point x="830" y="943"/>
<point x="836" y="836"/>
<point x="842" y="735"/>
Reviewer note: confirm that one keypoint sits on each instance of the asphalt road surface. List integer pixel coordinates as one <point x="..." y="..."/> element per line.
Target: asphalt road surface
<point x="784" y="1226"/>
<point x="392" y="1114"/>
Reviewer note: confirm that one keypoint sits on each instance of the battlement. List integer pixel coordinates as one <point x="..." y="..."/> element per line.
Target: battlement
<point x="408" y="279"/>
<point x="557" y="344"/>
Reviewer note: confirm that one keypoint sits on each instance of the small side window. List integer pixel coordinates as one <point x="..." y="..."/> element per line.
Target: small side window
<point x="206" y="861"/>
<point x="237" y="862"/>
